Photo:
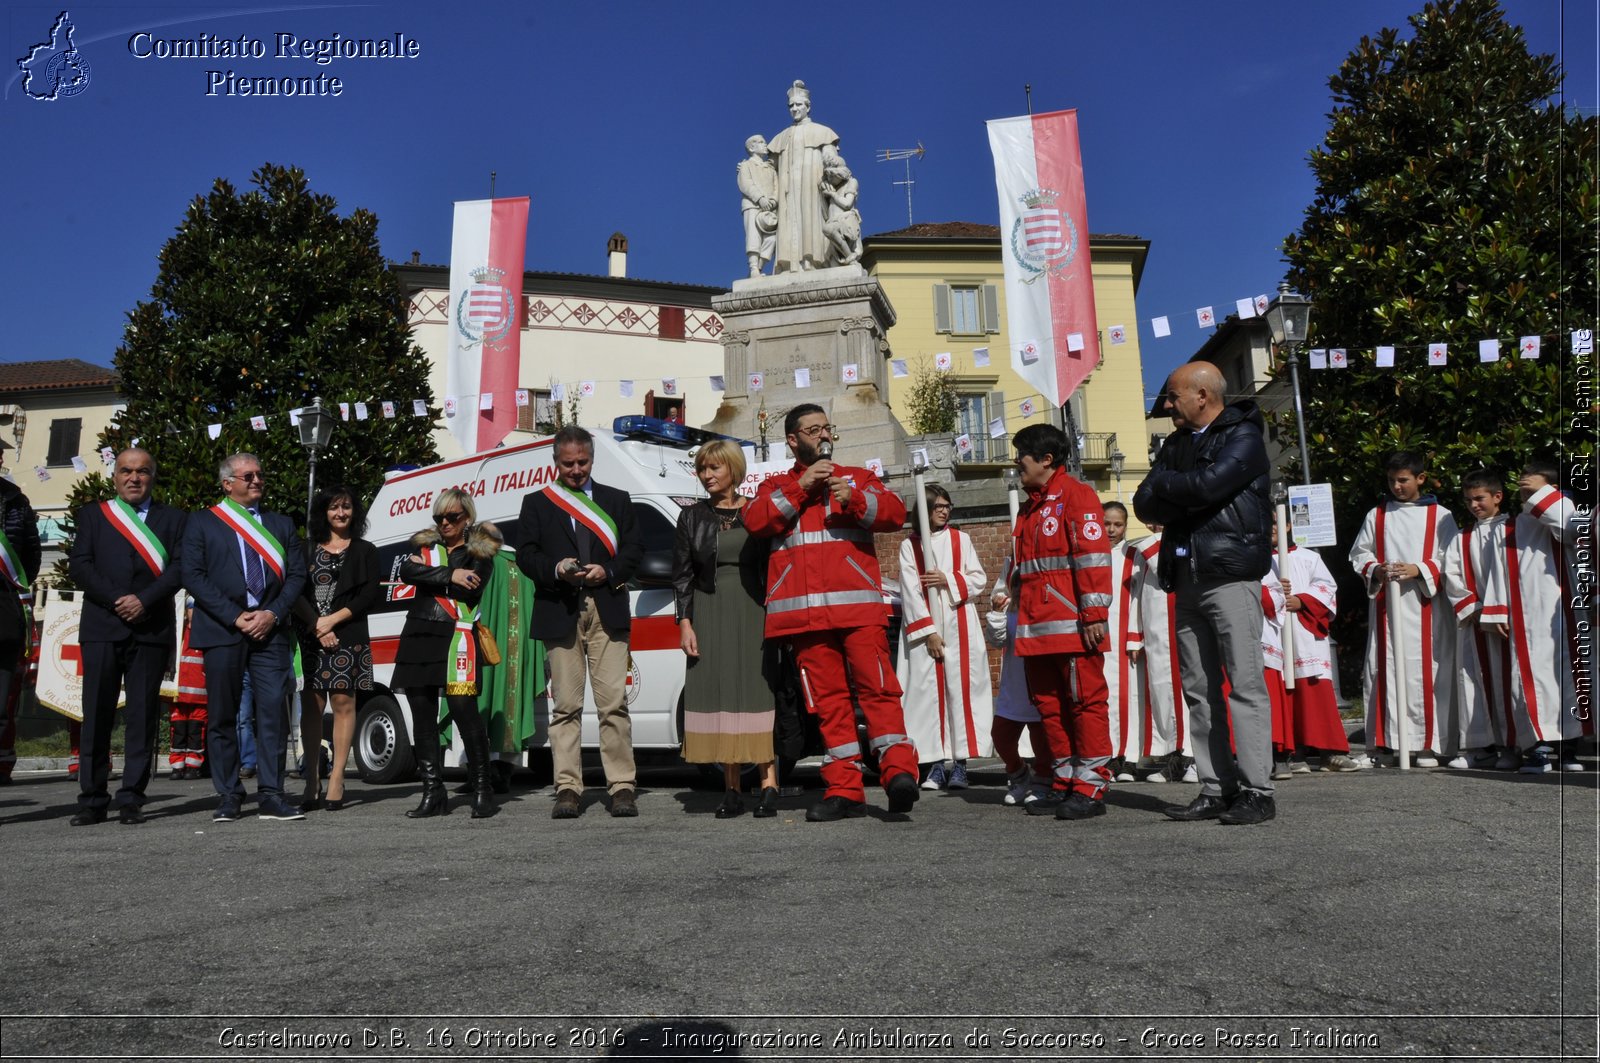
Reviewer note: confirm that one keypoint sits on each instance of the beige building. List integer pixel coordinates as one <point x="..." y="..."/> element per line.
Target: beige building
<point x="946" y="283"/>
<point x="612" y="332"/>
<point x="50" y="413"/>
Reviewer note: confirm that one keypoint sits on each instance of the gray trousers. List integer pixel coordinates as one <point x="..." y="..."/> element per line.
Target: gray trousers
<point x="1219" y="632"/>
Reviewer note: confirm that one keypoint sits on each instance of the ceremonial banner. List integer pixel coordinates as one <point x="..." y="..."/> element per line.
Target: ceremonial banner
<point x="485" y="348"/>
<point x="1044" y="237"/>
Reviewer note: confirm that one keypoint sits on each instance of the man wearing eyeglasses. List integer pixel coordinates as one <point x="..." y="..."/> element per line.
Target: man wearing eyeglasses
<point x="825" y="598"/>
<point x="244" y="569"/>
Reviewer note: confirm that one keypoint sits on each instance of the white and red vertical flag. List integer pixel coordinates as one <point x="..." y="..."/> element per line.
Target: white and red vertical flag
<point x="1044" y="234"/>
<point x="485" y="349"/>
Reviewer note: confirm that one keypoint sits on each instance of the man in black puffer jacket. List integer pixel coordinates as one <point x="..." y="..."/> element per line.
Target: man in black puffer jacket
<point x="1209" y="488"/>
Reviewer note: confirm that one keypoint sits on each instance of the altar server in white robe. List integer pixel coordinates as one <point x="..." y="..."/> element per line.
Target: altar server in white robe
<point x="1124" y="673"/>
<point x="944" y="663"/>
<point x="1162" y="729"/>
<point x="1475" y="583"/>
<point x="1400" y="550"/>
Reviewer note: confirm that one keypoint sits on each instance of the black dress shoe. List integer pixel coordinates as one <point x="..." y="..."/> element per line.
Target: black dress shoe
<point x="769" y="804"/>
<point x="1250" y="807"/>
<point x="131" y="814"/>
<point x="86" y="817"/>
<point x="1203" y="807"/>
<point x="903" y="792"/>
<point x="732" y="805"/>
<point x="831" y="808"/>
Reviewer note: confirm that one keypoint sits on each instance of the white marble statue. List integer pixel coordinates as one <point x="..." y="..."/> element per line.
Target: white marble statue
<point x="797" y="151"/>
<point x="758" y="193"/>
<point x="842" y="222"/>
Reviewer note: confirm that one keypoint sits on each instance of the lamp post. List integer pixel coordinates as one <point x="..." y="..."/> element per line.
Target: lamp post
<point x="1288" y="318"/>
<point x="1118" y="459"/>
<point x="316" y="428"/>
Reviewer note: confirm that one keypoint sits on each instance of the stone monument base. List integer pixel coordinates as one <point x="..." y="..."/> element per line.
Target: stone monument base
<point x="825" y="322"/>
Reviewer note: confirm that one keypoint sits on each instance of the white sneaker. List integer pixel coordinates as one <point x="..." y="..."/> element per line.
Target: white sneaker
<point x="1190" y="774"/>
<point x="1426" y="760"/>
<point x="1345" y="762"/>
<point x="1299" y="767"/>
<point x="1459" y="763"/>
<point x="1570" y="763"/>
<point x="1125" y="776"/>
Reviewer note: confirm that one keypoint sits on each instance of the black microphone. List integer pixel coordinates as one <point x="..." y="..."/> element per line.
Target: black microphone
<point x="825" y="453"/>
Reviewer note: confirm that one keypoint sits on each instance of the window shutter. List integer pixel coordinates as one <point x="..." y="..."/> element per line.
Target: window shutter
<point x="991" y="308"/>
<point x="941" y="308"/>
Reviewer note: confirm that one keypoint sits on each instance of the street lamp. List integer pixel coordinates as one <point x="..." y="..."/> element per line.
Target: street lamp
<point x="1288" y="318"/>
<point x="1117" y="461"/>
<point x="316" y="428"/>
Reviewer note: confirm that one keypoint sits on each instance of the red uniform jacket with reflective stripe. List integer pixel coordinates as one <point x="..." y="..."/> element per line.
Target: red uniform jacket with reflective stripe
<point x="1063" y="561"/>
<point x="823" y="573"/>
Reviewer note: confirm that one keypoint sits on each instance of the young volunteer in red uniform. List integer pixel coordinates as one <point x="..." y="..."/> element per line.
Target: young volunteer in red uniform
<point x="1063" y="565"/>
<point x="825" y="597"/>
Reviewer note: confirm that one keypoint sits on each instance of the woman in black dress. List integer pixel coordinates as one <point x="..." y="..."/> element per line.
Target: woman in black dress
<point x="336" y="651"/>
<point x="439" y="650"/>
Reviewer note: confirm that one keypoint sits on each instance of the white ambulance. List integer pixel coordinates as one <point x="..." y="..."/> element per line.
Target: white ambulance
<point x="653" y="461"/>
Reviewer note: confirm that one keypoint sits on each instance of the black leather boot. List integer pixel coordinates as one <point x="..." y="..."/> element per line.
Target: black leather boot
<point x="425" y="728"/>
<point x="475" y="737"/>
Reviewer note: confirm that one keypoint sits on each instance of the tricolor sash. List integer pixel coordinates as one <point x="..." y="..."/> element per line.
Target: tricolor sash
<point x="252" y="531"/>
<point x="586" y="511"/>
<point x="17" y="576"/>
<point x="125" y="519"/>
<point x="461" y="664"/>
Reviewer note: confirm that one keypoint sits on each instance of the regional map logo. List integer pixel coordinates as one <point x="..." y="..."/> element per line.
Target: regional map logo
<point x="55" y="69"/>
<point x="1043" y="241"/>
<point x="485" y="313"/>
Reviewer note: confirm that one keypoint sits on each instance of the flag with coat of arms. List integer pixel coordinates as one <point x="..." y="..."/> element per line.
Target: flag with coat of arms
<point x="484" y="352"/>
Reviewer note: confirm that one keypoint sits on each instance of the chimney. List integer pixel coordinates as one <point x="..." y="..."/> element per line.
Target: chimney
<point x="617" y="256"/>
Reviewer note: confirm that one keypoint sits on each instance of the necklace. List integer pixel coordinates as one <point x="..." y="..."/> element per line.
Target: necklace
<point x="727" y="518"/>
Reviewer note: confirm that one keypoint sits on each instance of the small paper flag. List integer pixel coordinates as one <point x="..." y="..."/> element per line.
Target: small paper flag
<point x="897" y="367"/>
<point x="1488" y="350"/>
<point x="558" y="392"/>
<point x="964" y="443"/>
<point x="1205" y="317"/>
<point x="625" y="388"/>
<point x="449" y="405"/>
<point x="669" y="385"/>
<point x="802" y="377"/>
<point x="419" y="408"/>
<point x="875" y="466"/>
<point x="852" y="373"/>
<point x="388" y="408"/>
<point x="1118" y="334"/>
<point x="522" y="396"/>
<point x="980" y="356"/>
<point x="1161" y="327"/>
<point x="79" y="465"/>
<point x="756" y="382"/>
<point x="259" y="423"/>
<point x="997" y="427"/>
<point x="1318" y="356"/>
<point x="294" y="418"/>
<point x="1246" y="308"/>
<point x="361" y="411"/>
<point x="718" y="383"/>
<point x="108" y="455"/>
<point x="1338" y="358"/>
<point x="213" y="430"/>
<point x="344" y="411"/>
<point x="1027" y="408"/>
<point x="1438" y="353"/>
<point x="943" y="361"/>
<point x="1385" y="358"/>
<point x="1029" y="352"/>
<point x="1262" y="302"/>
<point x="1529" y="347"/>
<point x="41" y="472"/>
<point x="586" y="389"/>
<point x="486" y="401"/>
<point x="1074" y="341"/>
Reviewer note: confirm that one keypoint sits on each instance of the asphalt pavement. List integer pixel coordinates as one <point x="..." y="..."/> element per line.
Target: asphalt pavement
<point x="1383" y="914"/>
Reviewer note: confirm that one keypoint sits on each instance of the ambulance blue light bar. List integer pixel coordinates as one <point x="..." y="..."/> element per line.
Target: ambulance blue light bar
<point x="666" y="433"/>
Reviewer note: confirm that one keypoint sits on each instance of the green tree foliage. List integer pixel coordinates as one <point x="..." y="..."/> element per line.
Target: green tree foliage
<point x="1455" y="202"/>
<point x="932" y="405"/>
<point x="264" y="300"/>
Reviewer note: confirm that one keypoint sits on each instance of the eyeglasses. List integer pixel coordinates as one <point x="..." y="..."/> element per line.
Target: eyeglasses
<point x="450" y="518"/>
<point x="938" y="507"/>
<point x="816" y="430"/>
<point x="250" y="477"/>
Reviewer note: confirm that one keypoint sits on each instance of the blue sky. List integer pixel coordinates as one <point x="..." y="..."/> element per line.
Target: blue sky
<point x="1195" y="119"/>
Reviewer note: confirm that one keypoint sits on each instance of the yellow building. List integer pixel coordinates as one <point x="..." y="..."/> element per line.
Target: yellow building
<point x="946" y="283"/>
<point x="54" y="412"/>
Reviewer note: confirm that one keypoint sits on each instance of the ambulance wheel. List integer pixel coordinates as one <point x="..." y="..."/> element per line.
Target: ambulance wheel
<point x="382" y="746"/>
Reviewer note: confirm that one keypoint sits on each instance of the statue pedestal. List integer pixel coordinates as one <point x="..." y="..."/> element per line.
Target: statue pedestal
<point x="821" y="320"/>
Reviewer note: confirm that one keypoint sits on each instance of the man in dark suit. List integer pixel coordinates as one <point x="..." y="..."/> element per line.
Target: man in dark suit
<point x="580" y="547"/>
<point x="244" y="569"/>
<point x="125" y="558"/>
<point x="19" y="566"/>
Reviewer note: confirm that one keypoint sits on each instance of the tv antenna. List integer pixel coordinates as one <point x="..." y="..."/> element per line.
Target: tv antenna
<point x="896" y="154"/>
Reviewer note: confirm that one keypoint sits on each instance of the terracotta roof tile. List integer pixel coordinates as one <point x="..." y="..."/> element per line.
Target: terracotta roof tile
<point x="54" y="374"/>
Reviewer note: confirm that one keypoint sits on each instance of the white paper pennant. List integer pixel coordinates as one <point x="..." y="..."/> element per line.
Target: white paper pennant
<point x="344" y="411"/>
<point x="1438" y="353"/>
<point x="213" y="430"/>
<point x="897" y="367"/>
<point x="943" y="361"/>
<point x="1205" y="317"/>
<point x="718" y="383"/>
<point x="388" y="408"/>
<point x="522" y="396"/>
<point x="558" y="392"/>
<point x="756" y="382"/>
<point x="980" y="356"/>
<point x="1262" y="302"/>
<point x="79" y="465"/>
<point x="625" y="388"/>
<point x="259" y="423"/>
<point x="41" y="472"/>
<point x="1488" y="350"/>
<point x="1026" y="408"/>
<point x="1118" y="334"/>
<point x="1075" y="341"/>
<point x="294" y="418"/>
<point x="1246" y="308"/>
<point x="851" y="373"/>
<point x="1528" y="347"/>
<point x="875" y="466"/>
<point x="1385" y="358"/>
<point x="1028" y="352"/>
<point x="802" y="377"/>
<point x="1318" y="357"/>
<point x="1338" y="358"/>
<point x="449" y="405"/>
<point x="419" y="408"/>
<point x="361" y="411"/>
<point x="669" y="385"/>
<point x="108" y="455"/>
<point x="997" y="427"/>
<point x="964" y="444"/>
<point x="1161" y="327"/>
<point x="586" y="389"/>
<point x="486" y="401"/>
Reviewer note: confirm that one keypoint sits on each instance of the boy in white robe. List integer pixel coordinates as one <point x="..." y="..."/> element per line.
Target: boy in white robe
<point x="1124" y="674"/>
<point x="1311" y="598"/>
<point x="1162" y="732"/>
<point x="1475" y="582"/>
<point x="1400" y="551"/>
<point x="944" y="663"/>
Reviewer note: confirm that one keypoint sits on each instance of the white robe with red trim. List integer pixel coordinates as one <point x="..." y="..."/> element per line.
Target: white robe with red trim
<point x="1164" y="722"/>
<point x="1475" y="583"/>
<point x="1416" y="533"/>
<point x="1543" y="688"/>
<point x="1316" y="713"/>
<point x="949" y="719"/>
<point x="1124" y="675"/>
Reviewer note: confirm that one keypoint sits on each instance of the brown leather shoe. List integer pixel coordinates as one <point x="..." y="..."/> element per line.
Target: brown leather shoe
<point x="568" y="805"/>
<point x="623" y="804"/>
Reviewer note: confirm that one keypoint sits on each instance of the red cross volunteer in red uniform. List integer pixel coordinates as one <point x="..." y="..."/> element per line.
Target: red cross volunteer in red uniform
<point x="1063" y="569"/>
<point x="825" y="597"/>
